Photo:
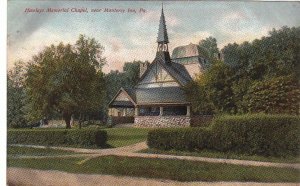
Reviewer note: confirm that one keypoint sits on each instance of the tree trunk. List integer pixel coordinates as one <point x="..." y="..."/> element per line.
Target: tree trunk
<point x="67" y="118"/>
<point x="80" y="120"/>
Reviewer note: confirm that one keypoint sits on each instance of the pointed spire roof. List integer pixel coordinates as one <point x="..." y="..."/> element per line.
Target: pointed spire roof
<point x="162" y="30"/>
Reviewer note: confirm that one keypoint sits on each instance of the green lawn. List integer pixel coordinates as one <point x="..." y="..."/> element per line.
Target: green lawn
<point x="180" y="170"/>
<point x="118" y="137"/>
<point x="227" y="155"/>
<point x="29" y="151"/>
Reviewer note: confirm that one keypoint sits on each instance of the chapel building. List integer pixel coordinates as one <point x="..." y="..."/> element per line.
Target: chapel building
<point x="159" y="99"/>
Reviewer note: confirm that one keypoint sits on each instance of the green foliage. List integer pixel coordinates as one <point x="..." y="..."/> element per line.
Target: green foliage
<point x="189" y="139"/>
<point x="276" y="95"/>
<point x="126" y="79"/>
<point x="212" y="91"/>
<point x="232" y="86"/>
<point x="268" y="135"/>
<point x="58" y="137"/>
<point x="199" y="99"/>
<point x="209" y="48"/>
<point x="66" y="79"/>
<point x="274" y="55"/>
<point x="15" y="96"/>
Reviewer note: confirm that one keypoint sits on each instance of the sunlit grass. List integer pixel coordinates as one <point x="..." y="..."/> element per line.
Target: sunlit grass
<point x="180" y="170"/>
<point x="226" y="155"/>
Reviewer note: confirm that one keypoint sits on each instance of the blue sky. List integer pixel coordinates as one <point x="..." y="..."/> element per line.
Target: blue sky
<point x="128" y="36"/>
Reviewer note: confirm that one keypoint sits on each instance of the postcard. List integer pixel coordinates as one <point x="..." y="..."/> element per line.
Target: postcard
<point x="153" y="92"/>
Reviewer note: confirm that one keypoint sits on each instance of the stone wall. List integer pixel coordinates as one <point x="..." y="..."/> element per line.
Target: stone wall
<point x="121" y="119"/>
<point x="161" y="121"/>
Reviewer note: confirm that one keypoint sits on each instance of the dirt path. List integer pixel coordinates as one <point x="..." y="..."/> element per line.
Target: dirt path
<point x="130" y="151"/>
<point x="21" y="176"/>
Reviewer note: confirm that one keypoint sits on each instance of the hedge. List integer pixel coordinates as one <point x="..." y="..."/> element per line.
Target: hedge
<point x="179" y="139"/>
<point x="269" y="135"/>
<point x="59" y="137"/>
<point x="261" y="134"/>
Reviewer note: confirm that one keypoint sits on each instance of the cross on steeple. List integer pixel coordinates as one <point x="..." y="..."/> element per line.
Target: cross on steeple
<point x="162" y="38"/>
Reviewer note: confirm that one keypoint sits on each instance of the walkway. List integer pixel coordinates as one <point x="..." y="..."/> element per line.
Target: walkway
<point x="132" y="151"/>
<point x="21" y="176"/>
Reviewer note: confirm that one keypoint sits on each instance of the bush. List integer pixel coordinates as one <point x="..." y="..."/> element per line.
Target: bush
<point x="58" y="137"/>
<point x="261" y="134"/>
<point x="275" y="135"/>
<point x="179" y="139"/>
<point x="280" y="95"/>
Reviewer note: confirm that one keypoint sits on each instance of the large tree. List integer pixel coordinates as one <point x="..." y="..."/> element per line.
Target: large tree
<point x="211" y="46"/>
<point x="15" y="96"/>
<point x="67" y="79"/>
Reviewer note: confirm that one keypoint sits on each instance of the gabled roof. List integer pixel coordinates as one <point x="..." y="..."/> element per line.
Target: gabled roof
<point x="176" y="70"/>
<point x="130" y="94"/>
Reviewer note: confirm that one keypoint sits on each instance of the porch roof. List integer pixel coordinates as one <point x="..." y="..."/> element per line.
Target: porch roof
<point x="122" y="104"/>
<point x="160" y="95"/>
<point x="151" y="96"/>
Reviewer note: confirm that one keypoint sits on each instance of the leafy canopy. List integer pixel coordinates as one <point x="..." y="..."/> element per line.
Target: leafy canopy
<point x="65" y="78"/>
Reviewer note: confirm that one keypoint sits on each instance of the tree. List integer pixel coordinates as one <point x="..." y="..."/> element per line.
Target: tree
<point x="210" y="44"/>
<point x="277" y="95"/>
<point x="212" y="91"/>
<point x="126" y="79"/>
<point x="67" y="79"/>
<point x="197" y="95"/>
<point x="276" y="55"/>
<point x="132" y="71"/>
<point x="15" y="96"/>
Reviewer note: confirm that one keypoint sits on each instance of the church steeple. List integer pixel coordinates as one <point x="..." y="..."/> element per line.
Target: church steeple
<point x="162" y="38"/>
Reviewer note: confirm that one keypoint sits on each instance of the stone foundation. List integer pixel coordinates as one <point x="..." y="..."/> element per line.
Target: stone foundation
<point x="161" y="121"/>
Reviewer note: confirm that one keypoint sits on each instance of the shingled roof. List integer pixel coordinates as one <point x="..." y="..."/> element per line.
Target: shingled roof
<point x="176" y="70"/>
<point x="130" y="93"/>
<point x="171" y="95"/>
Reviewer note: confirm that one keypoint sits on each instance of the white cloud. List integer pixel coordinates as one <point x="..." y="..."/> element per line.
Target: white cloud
<point x="180" y="39"/>
<point x="115" y="44"/>
<point x="35" y="43"/>
<point x="240" y="26"/>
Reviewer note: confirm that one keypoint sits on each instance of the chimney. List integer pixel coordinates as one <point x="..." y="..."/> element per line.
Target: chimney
<point x="143" y="67"/>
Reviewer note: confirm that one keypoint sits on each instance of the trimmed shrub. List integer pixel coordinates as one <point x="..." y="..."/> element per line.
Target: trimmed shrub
<point x="179" y="139"/>
<point x="280" y="95"/>
<point x="58" y="137"/>
<point x="261" y="134"/>
<point x="269" y="135"/>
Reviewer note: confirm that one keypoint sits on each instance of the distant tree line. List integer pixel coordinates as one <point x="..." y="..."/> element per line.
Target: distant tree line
<point x="67" y="80"/>
<point x="257" y="76"/>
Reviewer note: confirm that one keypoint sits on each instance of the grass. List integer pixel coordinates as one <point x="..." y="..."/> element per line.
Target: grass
<point x="118" y="137"/>
<point x="227" y="155"/>
<point x="180" y="170"/>
<point x="30" y="151"/>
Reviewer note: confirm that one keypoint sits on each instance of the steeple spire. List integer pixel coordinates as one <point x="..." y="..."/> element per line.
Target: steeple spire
<point x="162" y="38"/>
